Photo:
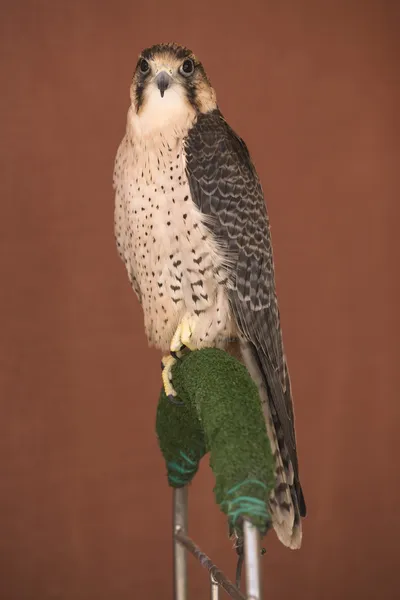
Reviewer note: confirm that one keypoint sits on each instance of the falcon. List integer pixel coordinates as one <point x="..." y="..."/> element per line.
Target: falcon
<point x="192" y="228"/>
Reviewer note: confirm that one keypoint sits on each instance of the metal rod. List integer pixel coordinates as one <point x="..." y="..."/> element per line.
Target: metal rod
<point x="252" y="561"/>
<point x="206" y="562"/>
<point x="214" y="588"/>
<point x="180" y="520"/>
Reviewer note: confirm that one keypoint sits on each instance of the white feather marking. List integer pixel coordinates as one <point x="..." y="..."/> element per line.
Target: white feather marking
<point x="161" y="115"/>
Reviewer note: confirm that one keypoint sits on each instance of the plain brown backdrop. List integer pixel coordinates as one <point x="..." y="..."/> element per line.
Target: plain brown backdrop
<point x="312" y="88"/>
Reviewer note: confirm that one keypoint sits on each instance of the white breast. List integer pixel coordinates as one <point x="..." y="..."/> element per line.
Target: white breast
<point x="171" y="258"/>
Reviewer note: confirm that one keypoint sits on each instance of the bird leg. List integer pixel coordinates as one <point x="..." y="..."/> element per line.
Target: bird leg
<point x="181" y="340"/>
<point x="182" y="337"/>
<point x="167" y="362"/>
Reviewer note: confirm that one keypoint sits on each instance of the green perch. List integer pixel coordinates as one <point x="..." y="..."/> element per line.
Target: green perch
<point x="218" y="410"/>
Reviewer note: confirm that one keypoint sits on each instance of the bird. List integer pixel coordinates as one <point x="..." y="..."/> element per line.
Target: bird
<point x="192" y="228"/>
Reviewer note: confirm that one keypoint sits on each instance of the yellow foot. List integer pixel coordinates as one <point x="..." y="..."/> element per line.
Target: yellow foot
<point x="183" y="335"/>
<point x="167" y="363"/>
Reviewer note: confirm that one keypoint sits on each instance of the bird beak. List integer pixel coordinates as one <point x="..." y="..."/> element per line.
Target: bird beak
<point x="163" y="81"/>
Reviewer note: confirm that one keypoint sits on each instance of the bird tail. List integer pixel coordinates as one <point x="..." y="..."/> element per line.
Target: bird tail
<point x="286" y="500"/>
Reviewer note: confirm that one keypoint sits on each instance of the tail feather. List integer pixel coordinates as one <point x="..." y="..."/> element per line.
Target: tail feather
<point x="286" y="501"/>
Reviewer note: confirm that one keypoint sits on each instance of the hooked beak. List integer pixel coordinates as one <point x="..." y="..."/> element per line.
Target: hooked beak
<point x="163" y="81"/>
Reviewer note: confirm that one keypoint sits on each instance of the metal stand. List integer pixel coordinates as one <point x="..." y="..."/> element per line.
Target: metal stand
<point x="180" y="519"/>
<point x="182" y="542"/>
<point x="214" y="588"/>
<point x="252" y="561"/>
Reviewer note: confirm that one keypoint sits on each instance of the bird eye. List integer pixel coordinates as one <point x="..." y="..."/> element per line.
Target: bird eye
<point x="187" y="67"/>
<point x="144" y="66"/>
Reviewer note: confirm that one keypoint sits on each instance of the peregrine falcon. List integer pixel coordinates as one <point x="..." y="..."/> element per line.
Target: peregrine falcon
<point x="192" y="229"/>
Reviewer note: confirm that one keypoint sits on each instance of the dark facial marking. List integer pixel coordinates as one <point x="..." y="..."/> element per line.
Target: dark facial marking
<point x="142" y="71"/>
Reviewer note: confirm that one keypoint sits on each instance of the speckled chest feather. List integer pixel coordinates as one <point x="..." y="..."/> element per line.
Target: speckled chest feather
<point x="173" y="262"/>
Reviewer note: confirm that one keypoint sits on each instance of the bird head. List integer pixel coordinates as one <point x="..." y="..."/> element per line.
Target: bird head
<point x="168" y="77"/>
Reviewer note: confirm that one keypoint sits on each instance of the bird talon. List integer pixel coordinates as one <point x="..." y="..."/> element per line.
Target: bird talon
<point x="172" y="399"/>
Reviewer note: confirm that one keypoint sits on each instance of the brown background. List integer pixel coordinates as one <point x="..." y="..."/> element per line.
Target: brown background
<point x="84" y="504"/>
